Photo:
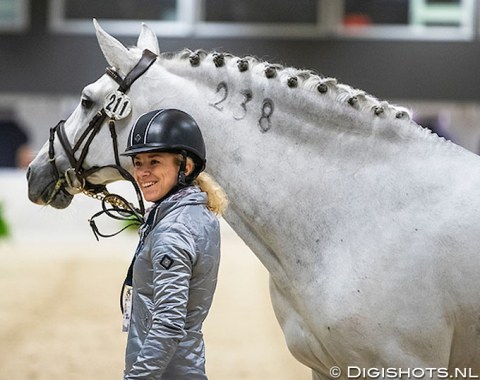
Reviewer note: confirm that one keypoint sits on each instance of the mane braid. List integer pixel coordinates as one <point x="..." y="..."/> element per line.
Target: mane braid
<point x="308" y="80"/>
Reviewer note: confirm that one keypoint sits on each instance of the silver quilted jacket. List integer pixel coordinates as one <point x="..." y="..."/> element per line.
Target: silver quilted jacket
<point x="174" y="278"/>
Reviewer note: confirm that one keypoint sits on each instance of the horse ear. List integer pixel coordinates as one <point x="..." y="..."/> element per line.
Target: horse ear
<point x="112" y="49"/>
<point x="148" y="40"/>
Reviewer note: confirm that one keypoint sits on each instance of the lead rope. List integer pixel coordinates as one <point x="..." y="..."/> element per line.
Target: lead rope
<point x="120" y="210"/>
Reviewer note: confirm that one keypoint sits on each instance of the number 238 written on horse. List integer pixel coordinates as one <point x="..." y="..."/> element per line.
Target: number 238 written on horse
<point x="264" y="122"/>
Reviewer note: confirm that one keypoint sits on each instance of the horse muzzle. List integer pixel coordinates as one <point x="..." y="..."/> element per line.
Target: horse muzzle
<point x="44" y="188"/>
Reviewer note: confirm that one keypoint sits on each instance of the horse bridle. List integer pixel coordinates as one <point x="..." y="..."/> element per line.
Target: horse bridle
<point x="76" y="176"/>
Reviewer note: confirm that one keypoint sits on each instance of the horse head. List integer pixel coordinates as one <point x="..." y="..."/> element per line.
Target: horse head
<point x="82" y="153"/>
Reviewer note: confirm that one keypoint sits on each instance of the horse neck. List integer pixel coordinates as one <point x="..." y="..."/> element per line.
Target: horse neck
<point x="285" y="153"/>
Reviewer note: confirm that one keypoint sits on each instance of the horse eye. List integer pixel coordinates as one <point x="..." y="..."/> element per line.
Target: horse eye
<point x="87" y="103"/>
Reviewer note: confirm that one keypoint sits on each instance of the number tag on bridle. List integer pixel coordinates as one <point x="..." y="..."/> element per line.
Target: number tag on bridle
<point x="117" y="105"/>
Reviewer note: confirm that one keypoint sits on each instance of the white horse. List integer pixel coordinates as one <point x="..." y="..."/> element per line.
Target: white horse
<point x="367" y="223"/>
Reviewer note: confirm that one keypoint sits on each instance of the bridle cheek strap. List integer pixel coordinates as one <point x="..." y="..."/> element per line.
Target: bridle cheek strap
<point x="76" y="175"/>
<point x="147" y="60"/>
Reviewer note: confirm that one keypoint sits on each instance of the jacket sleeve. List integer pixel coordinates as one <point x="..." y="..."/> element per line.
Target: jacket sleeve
<point x="172" y="256"/>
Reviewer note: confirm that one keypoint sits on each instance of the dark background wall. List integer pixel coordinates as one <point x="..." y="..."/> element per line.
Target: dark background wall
<point x="41" y="62"/>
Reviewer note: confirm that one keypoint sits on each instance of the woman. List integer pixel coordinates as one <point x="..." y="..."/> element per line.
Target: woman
<point x="176" y="261"/>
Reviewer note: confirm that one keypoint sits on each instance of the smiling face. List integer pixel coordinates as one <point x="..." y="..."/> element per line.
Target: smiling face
<point x="157" y="173"/>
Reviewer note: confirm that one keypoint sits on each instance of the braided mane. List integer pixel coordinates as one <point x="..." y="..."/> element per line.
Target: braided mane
<point x="298" y="78"/>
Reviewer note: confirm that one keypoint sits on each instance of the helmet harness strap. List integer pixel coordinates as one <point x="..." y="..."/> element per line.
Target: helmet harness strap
<point x="182" y="180"/>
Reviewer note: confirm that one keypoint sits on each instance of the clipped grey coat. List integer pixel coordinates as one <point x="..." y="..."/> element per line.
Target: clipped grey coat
<point x="174" y="278"/>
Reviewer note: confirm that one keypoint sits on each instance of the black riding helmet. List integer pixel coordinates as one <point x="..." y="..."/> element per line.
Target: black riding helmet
<point x="168" y="130"/>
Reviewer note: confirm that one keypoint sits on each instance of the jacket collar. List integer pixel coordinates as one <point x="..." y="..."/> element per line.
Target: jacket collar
<point x="190" y="195"/>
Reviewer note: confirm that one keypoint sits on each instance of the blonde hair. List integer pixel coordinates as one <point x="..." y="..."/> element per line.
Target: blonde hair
<point x="217" y="201"/>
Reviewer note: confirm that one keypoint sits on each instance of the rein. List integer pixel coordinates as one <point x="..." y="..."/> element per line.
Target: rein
<point x="76" y="176"/>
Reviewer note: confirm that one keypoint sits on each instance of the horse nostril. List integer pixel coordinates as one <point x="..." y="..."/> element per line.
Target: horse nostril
<point x="29" y="172"/>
